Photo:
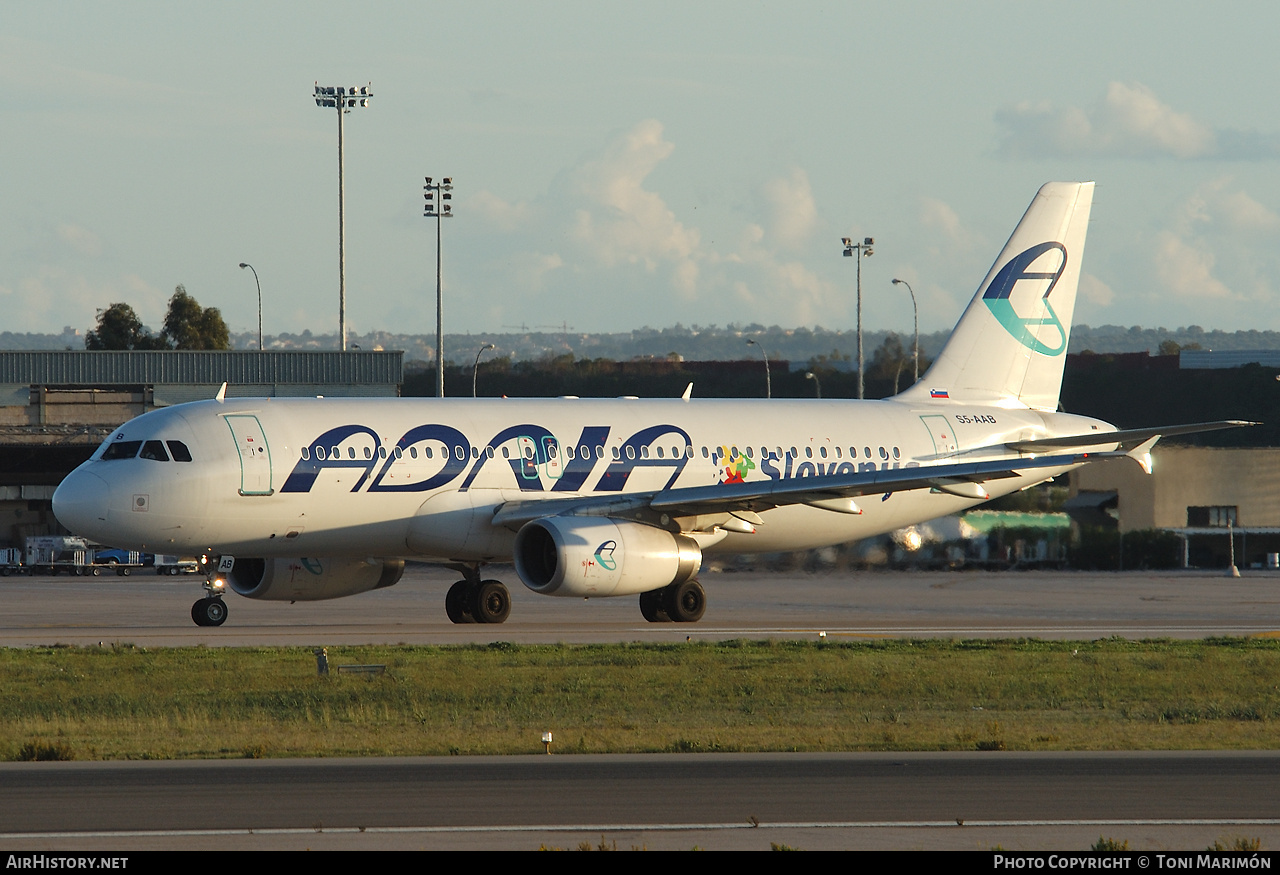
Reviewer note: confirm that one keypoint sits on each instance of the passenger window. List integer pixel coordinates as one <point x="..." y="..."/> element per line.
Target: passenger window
<point x="631" y="452"/>
<point x="320" y="453"/>
<point x="867" y="452"/>
<point x="616" y="454"/>
<point x="644" y="452"/>
<point x="838" y="456"/>
<point x="306" y="453"/>
<point x="884" y="454"/>
<point x="368" y="453"/>
<point x="122" y="450"/>
<point x="154" y="450"/>
<point x="506" y="452"/>
<point x="335" y="453"/>
<point x="459" y="452"/>
<point x="488" y="452"/>
<point x="808" y="452"/>
<point x="897" y="454"/>
<point x="659" y="452"/>
<point x="413" y="452"/>
<point x="475" y="452"/>
<point x="351" y="452"/>
<point x="382" y="452"/>
<point x="822" y="451"/>
<point x="794" y="455"/>
<point x="705" y="454"/>
<point x="399" y="453"/>
<point x="180" y="453"/>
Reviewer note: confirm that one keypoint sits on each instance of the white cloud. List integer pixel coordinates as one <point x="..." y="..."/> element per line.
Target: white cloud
<point x="602" y="226"/>
<point x="1129" y="121"/>
<point x="1185" y="268"/>
<point x="1095" y="291"/>
<point x="793" y="213"/>
<point x="617" y="219"/>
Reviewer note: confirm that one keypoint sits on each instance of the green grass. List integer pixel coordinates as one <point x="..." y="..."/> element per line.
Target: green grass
<point x="130" y="703"/>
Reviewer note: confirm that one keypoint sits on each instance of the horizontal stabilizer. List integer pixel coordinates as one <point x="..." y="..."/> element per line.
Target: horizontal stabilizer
<point x="1125" y="438"/>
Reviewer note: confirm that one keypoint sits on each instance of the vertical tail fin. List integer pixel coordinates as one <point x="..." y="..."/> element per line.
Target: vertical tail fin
<point x="1011" y="343"/>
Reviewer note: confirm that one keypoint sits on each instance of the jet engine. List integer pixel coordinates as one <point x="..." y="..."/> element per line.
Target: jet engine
<point x="311" y="579"/>
<point x="586" y="557"/>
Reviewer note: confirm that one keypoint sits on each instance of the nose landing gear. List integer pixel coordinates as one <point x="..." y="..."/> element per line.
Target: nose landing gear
<point x="210" y="610"/>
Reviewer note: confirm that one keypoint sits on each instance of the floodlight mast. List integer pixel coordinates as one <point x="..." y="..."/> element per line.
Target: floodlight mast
<point x="437" y="195"/>
<point x="344" y="100"/>
<point x="863" y="250"/>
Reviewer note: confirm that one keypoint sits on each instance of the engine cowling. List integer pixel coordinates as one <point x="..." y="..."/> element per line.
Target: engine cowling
<point x="311" y="579"/>
<point x="591" y="557"/>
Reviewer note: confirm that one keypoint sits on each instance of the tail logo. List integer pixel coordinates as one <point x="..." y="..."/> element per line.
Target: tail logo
<point x="1041" y="332"/>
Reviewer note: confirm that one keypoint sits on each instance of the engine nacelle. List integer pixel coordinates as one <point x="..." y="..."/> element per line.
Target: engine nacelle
<point x="310" y="580"/>
<point x="590" y="557"/>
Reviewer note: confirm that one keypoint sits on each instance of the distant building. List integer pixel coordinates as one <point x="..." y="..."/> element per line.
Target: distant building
<point x="1204" y="359"/>
<point x="1198" y="494"/>
<point x="56" y="407"/>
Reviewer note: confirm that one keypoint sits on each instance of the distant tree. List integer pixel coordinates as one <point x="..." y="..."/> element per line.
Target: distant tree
<point x="190" y="326"/>
<point x="120" y="328"/>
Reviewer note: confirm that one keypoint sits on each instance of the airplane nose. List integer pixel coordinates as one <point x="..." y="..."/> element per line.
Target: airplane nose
<point x="80" y="502"/>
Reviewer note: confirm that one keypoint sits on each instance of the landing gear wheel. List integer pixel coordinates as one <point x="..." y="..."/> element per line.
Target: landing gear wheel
<point x="209" y="612"/>
<point x="457" y="603"/>
<point x="651" y="606"/>
<point x="685" y="602"/>
<point x="491" y="602"/>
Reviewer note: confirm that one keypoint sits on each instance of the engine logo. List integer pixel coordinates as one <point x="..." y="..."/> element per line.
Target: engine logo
<point x="604" y="555"/>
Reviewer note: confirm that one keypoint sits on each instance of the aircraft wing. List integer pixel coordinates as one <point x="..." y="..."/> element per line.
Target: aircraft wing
<point x="831" y="492"/>
<point x="1126" y="438"/>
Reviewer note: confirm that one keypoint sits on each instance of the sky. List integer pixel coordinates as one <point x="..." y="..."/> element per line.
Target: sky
<point x="622" y="165"/>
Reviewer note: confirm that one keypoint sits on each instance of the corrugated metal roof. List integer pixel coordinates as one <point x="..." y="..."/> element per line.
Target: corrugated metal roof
<point x="244" y="367"/>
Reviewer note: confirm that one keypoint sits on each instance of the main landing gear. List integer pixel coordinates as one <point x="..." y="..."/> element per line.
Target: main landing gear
<point x="210" y="610"/>
<point x="477" y="601"/>
<point x="678" y="603"/>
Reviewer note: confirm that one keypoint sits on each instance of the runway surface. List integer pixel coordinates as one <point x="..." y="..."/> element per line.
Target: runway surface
<point x="153" y="611"/>
<point x="956" y="801"/>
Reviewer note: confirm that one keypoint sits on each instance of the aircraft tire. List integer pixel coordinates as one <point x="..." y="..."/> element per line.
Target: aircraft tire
<point x="491" y="602"/>
<point x="457" y="603"/>
<point x="651" y="606"/>
<point x="685" y="602"/>
<point x="209" y="612"/>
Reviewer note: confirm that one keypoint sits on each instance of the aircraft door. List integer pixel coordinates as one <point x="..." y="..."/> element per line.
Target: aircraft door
<point x="255" y="455"/>
<point x="551" y="450"/>
<point x="944" y="436"/>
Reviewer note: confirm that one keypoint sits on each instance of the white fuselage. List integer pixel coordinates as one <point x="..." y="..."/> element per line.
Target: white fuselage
<point x="422" y="478"/>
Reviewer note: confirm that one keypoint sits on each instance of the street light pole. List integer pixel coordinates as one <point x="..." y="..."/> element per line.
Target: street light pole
<point x="475" y="371"/>
<point x="243" y="265"/>
<point x="817" y="386"/>
<point x="768" y="383"/>
<point x="435" y="194"/>
<point x="915" y="316"/>
<point x="864" y="250"/>
<point x="344" y="100"/>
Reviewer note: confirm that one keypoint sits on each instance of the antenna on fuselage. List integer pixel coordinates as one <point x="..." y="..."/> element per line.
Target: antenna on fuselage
<point x="688" y="392"/>
<point x="222" y="394"/>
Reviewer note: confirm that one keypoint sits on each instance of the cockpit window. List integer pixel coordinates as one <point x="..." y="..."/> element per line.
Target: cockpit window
<point x="154" y="450"/>
<point x="122" y="450"/>
<point x="179" y="451"/>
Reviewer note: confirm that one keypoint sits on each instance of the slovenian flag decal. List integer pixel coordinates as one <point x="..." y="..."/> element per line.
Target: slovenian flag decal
<point x="938" y="393"/>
